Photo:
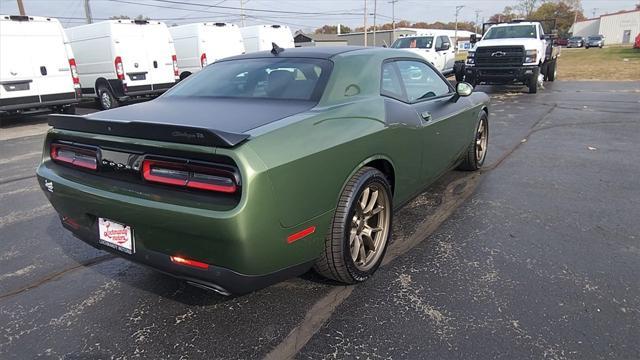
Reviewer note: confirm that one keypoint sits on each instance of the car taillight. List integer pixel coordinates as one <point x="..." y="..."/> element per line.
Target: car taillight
<point x="188" y="262"/>
<point x="203" y="59"/>
<point x="119" y="68"/>
<point x="176" y="71"/>
<point x="75" y="156"/>
<point x="189" y="175"/>
<point x="74" y="71"/>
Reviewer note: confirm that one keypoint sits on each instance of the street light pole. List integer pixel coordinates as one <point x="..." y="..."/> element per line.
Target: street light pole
<point x="242" y="12"/>
<point x="87" y="12"/>
<point x="393" y="20"/>
<point x="458" y="8"/>
<point x="21" y="8"/>
<point x="477" y="17"/>
<point x="375" y="9"/>
<point x="365" y="22"/>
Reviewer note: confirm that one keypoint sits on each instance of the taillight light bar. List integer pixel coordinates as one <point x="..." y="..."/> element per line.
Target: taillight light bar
<point x="75" y="156"/>
<point x="188" y="262"/>
<point x="189" y="175"/>
<point x="119" y="68"/>
<point x="174" y="61"/>
<point x="203" y="60"/>
<point x="74" y="72"/>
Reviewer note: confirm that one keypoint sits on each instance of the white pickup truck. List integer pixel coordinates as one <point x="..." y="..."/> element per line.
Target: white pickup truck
<point x="517" y="52"/>
<point x="434" y="46"/>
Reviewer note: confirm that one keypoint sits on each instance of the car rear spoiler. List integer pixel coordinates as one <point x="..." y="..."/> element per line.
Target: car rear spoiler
<point x="148" y="130"/>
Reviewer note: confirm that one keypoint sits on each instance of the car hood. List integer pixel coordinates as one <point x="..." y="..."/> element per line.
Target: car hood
<point x="226" y="115"/>
<point x="527" y="42"/>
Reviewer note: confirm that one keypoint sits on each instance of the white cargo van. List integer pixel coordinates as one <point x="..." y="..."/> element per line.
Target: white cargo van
<point x="37" y="68"/>
<point x="121" y="59"/>
<point x="202" y="43"/>
<point x="260" y="37"/>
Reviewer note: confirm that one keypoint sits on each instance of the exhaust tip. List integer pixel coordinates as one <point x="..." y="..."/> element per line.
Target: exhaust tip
<point x="210" y="287"/>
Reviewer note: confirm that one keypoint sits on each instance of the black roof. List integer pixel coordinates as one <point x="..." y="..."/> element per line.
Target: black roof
<point x="321" y="52"/>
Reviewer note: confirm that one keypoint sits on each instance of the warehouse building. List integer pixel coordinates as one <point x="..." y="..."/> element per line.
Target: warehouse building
<point x="302" y="39"/>
<point x="618" y="28"/>
<point x="386" y="37"/>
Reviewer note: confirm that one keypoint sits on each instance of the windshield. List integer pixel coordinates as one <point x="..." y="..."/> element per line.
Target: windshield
<point x="511" y="32"/>
<point x="266" y="78"/>
<point x="419" y="42"/>
<point x="595" y="37"/>
<point x="576" y="38"/>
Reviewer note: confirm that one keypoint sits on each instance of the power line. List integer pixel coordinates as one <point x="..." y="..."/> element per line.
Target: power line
<point x="250" y="9"/>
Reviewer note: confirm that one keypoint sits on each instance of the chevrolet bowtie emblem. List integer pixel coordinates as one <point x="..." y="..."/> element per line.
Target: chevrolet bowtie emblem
<point x="499" y="54"/>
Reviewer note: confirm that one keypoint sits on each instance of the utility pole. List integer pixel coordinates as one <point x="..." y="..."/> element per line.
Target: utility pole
<point x="365" y="22"/>
<point x="242" y="13"/>
<point x="375" y="9"/>
<point x="594" y="13"/>
<point x="458" y="9"/>
<point x="21" y="8"/>
<point x="87" y="12"/>
<point x="477" y="17"/>
<point x="393" y="20"/>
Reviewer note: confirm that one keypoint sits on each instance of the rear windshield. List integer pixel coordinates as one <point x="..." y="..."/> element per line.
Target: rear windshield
<point x="511" y="32"/>
<point x="265" y="78"/>
<point x="420" y="42"/>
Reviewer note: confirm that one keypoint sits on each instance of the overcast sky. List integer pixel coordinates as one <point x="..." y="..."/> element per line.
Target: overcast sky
<point x="310" y="13"/>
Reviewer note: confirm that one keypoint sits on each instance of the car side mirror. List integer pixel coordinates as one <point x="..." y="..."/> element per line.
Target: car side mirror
<point x="444" y="46"/>
<point x="463" y="89"/>
<point x="473" y="39"/>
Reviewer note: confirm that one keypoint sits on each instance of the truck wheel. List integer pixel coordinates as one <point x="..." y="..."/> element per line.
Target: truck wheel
<point x="458" y="69"/>
<point x="533" y="82"/>
<point x="68" y="110"/>
<point x="360" y="230"/>
<point x="106" y="100"/>
<point x="477" y="150"/>
<point x="552" y="71"/>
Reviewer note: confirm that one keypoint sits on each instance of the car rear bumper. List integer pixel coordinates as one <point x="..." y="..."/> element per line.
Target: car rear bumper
<point x="38" y="101"/>
<point x="245" y="247"/>
<point x="219" y="279"/>
<point x="500" y="75"/>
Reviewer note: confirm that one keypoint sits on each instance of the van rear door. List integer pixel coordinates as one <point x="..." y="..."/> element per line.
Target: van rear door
<point x="160" y="52"/>
<point x="130" y="46"/>
<point x="16" y="69"/>
<point x="51" y="62"/>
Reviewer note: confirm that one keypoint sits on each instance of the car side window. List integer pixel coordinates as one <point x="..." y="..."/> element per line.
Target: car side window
<point x="420" y="81"/>
<point x="438" y="42"/>
<point x="391" y="85"/>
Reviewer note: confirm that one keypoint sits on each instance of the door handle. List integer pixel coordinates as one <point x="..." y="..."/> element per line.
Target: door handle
<point x="426" y="116"/>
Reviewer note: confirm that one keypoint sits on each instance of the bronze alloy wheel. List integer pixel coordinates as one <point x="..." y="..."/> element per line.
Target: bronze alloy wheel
<point x="369" y="227"/>
<point x="482" y="139"/>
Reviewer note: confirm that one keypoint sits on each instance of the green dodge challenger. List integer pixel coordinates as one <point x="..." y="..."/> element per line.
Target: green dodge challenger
<point x="264" y="165"/>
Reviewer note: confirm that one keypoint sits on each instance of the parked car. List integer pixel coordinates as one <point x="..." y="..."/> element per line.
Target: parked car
<point x="576" y="42"/>
<point x="202" y="43"/>
<point x="37" y="67"/>
<point x="262" y="166"/>
<point x="562" y="42"/>
<point x="122" y="59"/>
<point x="434" y="46"/>
<point x="636" y="44"/>
<point x="594" y="41"/>
<point x="261" y="37"/>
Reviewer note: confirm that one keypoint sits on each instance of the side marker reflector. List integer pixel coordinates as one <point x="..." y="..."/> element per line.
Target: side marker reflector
<point x="188" y="262"/>
<point x="300" y="234"/>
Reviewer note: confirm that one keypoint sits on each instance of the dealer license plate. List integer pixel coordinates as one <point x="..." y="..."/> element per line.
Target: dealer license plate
<point x="116" y="235"/>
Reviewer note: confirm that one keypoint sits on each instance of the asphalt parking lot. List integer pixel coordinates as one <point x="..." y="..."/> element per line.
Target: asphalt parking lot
<point x="536" y="256"/>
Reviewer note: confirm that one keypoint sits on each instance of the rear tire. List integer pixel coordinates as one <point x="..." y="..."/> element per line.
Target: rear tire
<point x="360" y="230"/>
<point x="106" y="100"/>
<point x="477" y="150"/>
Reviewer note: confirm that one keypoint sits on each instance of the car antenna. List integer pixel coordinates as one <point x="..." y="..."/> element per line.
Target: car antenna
<point x="275" y="49"/>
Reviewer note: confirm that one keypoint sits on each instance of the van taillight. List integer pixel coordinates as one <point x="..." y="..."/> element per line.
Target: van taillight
<point x="203" y="60"/>
<point x="189" y="175"/>
<point x="119" y="68"/>
<point x="74" y="71"/>
<point x="176" y="72"/>
<point x="75" y="156"/>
